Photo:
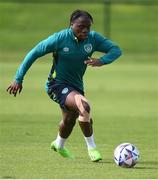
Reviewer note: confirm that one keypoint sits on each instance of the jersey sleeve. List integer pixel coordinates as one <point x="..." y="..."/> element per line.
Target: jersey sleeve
<point x="44" y="47"/>
<point x="111" y="49"/>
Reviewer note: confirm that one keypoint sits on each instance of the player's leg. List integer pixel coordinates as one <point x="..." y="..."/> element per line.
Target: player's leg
<point x="65" y="128"/>
<point x="73" y="101"/>
<point x="78" y="102"/>
<point x="67" y="123"/>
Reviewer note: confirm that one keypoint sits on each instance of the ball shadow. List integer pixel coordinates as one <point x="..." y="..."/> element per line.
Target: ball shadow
<point x="147" y="165"/>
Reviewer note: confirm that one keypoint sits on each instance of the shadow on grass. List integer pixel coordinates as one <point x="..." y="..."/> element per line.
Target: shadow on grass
<point x="8" y="177"/>
<point x="104" y="162"/>
<point x="147" y="165"/>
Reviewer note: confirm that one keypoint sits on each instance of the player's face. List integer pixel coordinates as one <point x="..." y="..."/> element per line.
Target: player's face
<point x="81" y="27"/>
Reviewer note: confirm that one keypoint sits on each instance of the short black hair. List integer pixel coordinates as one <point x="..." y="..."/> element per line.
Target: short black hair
<point x="78" y="13"/>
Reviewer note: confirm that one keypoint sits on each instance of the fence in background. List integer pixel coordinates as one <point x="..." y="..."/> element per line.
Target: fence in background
<point x="131" y="23"/>
<point x="106" y="3"/>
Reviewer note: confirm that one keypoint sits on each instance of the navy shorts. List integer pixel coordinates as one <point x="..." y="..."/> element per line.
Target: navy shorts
<point x="59" y="92"/>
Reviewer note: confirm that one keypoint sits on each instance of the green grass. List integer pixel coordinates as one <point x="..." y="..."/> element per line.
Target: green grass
<point x="123" y="95"/>
<point x="124" y="109"/>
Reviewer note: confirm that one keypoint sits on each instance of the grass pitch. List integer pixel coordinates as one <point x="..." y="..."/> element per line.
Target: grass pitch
<point x="124" y="109"/>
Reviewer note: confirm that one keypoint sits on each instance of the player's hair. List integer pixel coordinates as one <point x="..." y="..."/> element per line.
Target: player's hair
<point x="78" y="13"/>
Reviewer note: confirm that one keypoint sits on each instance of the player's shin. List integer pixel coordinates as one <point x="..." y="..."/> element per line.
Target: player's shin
<point x="87" y="130"/>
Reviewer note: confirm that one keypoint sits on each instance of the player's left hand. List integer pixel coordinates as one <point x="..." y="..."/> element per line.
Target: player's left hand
<point x="94" y="62"/>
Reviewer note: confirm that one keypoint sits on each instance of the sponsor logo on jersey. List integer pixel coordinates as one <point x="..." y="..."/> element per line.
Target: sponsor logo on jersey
<point x="66" y="49"/>
<point x="88" y="47"/>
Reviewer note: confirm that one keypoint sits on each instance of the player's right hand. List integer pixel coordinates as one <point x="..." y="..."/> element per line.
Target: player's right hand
<point x="14" y="88"/>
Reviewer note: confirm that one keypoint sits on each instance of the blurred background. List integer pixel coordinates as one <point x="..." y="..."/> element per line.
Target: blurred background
<point x="131" y="23"/>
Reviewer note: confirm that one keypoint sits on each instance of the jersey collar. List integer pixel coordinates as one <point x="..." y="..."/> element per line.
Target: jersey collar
<point x="72" y="35"/>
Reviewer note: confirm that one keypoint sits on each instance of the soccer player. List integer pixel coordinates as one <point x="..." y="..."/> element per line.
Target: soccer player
<point x="72" y="49"/>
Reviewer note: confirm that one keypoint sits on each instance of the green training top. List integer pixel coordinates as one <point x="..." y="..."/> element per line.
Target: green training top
<point x="70" y="55"/>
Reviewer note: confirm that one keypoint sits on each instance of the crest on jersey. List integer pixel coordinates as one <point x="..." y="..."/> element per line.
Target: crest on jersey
<point x="88" y="47"/>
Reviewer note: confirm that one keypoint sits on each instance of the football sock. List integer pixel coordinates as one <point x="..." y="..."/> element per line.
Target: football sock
<point x="60" y="141"/>
<point x="90" y="142"/>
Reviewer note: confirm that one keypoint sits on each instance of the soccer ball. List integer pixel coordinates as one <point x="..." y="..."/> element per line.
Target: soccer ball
<point x="126" y="155"/>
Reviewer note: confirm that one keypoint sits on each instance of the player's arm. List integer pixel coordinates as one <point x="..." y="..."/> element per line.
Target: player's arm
<point x="111" y="51"/>
<point x="44" y="47"/>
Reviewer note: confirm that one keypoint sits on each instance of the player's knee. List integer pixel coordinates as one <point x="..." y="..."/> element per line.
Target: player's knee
<point x="82" y="103"/>
<point x="85" y="113"/>
<point x="84" y="108"/>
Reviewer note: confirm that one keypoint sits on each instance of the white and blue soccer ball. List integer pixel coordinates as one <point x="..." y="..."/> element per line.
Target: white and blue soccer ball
<point x="126" y="155"/>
